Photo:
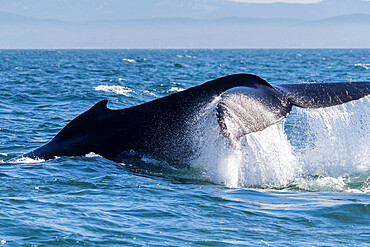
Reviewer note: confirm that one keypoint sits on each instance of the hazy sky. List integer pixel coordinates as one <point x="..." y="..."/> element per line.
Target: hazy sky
<point x="277" y="1"/>
<point x="82" y="10"/>
<point x="184" y="24"/>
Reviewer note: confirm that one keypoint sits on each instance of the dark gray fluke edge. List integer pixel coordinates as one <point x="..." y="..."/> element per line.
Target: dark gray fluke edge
<point x="162" y="127"/>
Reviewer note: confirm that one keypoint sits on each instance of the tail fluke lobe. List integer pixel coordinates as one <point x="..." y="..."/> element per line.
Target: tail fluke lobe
<point x="246" y="109"/>
<point x="319" y="95"/>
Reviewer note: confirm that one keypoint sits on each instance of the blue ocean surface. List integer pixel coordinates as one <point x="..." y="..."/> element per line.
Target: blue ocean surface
<point x="304" y="181"/>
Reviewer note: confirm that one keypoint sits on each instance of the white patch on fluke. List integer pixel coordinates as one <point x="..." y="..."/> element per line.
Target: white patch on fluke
<point x="245" y="114"/>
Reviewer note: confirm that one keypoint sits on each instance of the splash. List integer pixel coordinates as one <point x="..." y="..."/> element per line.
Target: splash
<point x="92" y="155"/>
<point x="262" y="158"/>
<point x="268" y="158"/>
<point x="326" y="149"/>
<point x="338" y="139"/>
<point x="27" y="160"/>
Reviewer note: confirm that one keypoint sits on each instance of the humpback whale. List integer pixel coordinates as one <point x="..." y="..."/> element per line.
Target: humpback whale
<point x="245" y="103"/>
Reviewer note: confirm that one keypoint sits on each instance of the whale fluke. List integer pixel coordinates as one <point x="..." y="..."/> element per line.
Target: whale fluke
<point x="251" y="108"/>
<point x="243" y="110"/>
<point x="317" y="95"/>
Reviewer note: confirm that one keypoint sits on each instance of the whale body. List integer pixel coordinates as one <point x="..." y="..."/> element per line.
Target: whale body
<point x="245" y="103"/>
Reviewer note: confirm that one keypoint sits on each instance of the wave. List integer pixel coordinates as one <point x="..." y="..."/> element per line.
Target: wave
<point x="149" y="93"/>
<point x="345" y="183"/>
<point x="115" y="89"/>
<point x="174" y="90"/>
<point x="187" y="56"/>
<point x="26" y="160"/>
<point x="363" y="65"/>
<point x="129" y="60"/>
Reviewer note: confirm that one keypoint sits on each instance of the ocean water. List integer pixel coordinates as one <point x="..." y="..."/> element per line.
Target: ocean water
<point x="304" y="181"/>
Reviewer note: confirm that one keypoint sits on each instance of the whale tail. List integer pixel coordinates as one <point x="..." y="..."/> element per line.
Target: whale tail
<point x="246" y="104"/>
<point x="246" y="109"/>
<point x="324" y="94"/>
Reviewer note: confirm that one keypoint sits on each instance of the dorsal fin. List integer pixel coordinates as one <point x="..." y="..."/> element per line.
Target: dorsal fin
<point x="89" y="118"/>
<point x="98" y="107"/>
